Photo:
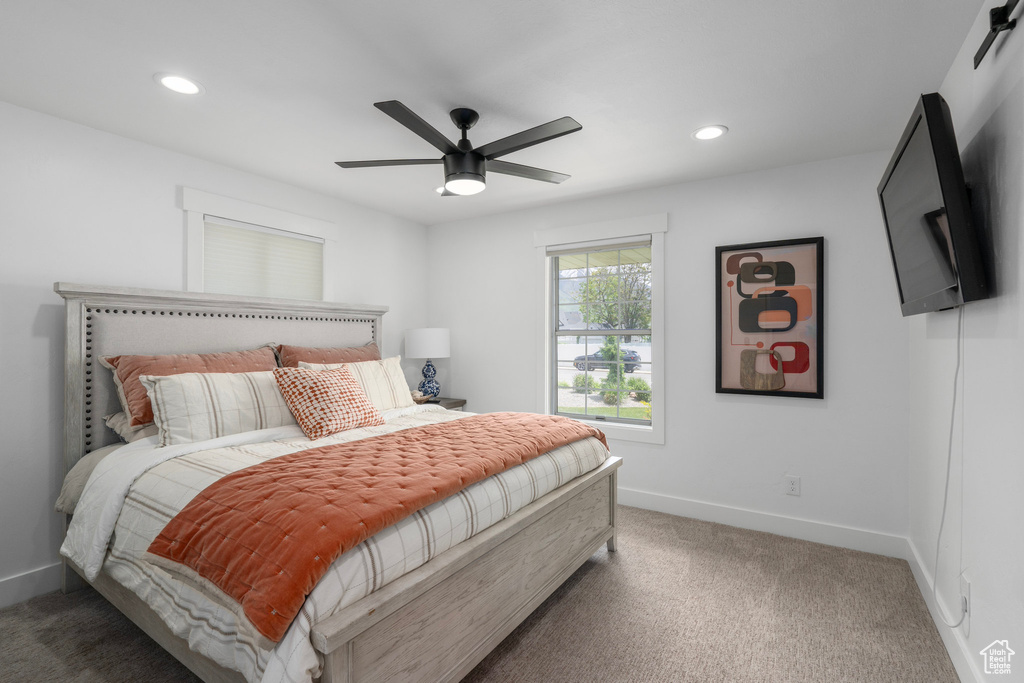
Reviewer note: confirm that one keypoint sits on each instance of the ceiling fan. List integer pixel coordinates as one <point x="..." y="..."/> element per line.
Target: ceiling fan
<point x="465" y="166"/>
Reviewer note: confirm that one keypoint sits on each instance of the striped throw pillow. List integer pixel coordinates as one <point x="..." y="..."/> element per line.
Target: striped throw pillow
<point x="382" y="380"/>
<point x="197" y="406"/>
<point x="327" y="402"/>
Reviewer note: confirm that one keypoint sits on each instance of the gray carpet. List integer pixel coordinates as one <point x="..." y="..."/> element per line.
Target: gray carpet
<point x="682" y="600"/>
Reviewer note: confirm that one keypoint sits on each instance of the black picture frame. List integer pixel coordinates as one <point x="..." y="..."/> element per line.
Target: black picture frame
<point x="770" y="318"/>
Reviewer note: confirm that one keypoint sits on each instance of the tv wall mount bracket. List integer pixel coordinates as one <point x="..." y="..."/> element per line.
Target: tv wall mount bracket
<point x="999" y="20"/>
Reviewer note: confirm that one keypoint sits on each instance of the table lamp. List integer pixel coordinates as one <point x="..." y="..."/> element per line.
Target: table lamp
<point x="428" y="342"/>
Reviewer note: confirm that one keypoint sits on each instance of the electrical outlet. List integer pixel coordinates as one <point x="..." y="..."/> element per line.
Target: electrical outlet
<point x="791" y="485"/>
<point x="965" y="602"/>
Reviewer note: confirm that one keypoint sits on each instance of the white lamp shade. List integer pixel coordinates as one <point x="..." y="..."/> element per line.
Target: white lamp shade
<point x="428" y="342"/>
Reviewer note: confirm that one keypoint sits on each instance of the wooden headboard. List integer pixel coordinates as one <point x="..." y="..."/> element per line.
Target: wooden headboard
<point x="108" y="321"/>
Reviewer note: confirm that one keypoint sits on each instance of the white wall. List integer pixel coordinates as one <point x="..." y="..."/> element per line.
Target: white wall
<point x="724" y="455"/>
<point x="79" y="205"/>
<point x="982" y="534"/>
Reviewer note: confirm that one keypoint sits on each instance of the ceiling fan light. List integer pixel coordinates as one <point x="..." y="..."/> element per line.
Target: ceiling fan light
<point x="464" y="173"/>
<point x="465" y="184"/>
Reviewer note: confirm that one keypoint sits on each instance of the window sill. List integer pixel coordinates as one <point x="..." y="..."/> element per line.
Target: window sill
<point x="623" y="432"/>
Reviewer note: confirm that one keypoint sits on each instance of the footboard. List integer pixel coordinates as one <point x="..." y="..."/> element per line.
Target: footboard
<point x="438" y="622"/>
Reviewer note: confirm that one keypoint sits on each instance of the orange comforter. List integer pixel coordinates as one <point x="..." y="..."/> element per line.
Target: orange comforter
<point x="264" y="536"/>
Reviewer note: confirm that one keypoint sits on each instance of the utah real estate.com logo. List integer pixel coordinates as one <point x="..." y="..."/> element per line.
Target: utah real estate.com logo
<point x="997" y="657"/>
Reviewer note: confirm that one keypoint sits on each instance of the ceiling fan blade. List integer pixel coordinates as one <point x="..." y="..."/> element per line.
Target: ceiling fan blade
<point x="405" y="116"/>
<point x="531" y="172"/>
<point x="542" y="133"/>
<point x="388" y="162"/>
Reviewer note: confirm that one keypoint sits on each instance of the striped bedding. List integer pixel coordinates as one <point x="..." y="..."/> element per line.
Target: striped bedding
<point x="159" y="493"/>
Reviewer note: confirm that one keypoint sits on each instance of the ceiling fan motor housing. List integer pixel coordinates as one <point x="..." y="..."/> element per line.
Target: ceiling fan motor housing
<point x="464" y="166"/>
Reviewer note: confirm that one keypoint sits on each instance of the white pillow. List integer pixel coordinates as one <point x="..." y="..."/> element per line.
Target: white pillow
<point x="196" y="406"/>
<point x="122" y="425"/>
<point x="74" y="483"/>
<point x="382" y="380"/>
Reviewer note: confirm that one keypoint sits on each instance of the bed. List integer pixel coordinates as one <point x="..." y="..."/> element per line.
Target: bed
<point x="435" y="622"/>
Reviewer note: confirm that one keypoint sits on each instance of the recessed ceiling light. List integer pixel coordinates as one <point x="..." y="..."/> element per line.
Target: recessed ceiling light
<point x="179" y="84"/>
<point x="710" y="132"/>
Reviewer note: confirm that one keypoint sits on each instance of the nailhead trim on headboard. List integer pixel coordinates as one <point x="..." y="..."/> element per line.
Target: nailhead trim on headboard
<point x="253" y="316"/>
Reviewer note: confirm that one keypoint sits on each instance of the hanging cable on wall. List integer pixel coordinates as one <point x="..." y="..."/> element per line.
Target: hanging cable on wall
<point x="945" y="494"/>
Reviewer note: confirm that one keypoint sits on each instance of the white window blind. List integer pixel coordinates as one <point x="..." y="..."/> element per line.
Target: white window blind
<point x="253" y="260"/>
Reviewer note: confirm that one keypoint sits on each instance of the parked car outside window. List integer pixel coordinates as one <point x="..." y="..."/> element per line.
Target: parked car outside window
<point x="630" y="358"/>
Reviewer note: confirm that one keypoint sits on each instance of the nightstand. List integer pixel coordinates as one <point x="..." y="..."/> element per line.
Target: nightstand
<point x="448" y="403"/>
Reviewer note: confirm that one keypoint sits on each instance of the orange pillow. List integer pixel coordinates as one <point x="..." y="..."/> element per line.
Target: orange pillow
<point x="128" y="369"/>
<point x="291" y="355"/>
<point x="326" y="402"/>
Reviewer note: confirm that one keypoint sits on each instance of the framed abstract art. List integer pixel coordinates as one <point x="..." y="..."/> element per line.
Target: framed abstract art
<point x="770" y="318"/>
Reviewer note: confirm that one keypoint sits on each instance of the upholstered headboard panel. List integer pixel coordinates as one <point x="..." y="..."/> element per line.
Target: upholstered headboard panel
<point x="107" y="321"/>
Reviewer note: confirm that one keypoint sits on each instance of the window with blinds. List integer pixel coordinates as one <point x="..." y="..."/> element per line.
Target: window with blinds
<point x="601" y="310"/>
<point x="253" y="260"/>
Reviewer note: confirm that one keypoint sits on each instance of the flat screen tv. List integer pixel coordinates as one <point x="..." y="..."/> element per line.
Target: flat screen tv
<point x="927" y="215"/>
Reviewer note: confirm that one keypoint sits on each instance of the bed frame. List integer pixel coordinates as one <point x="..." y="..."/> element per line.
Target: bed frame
<point x="433" y="624"/>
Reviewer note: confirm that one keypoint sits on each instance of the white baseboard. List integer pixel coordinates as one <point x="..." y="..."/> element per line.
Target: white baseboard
<point x="968" y="667"/>
<point x="819" y="532"/>
<point x="21" y="587"/>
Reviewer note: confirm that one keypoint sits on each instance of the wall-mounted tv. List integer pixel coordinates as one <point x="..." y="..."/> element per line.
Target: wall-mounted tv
<point x="927" y="215"/>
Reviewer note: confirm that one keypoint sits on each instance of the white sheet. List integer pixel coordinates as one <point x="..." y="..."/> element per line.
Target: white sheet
<point x="101" y="501"/>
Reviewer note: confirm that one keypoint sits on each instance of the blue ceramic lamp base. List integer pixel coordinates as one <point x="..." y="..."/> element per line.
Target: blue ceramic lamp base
<point x="429" y="386"/>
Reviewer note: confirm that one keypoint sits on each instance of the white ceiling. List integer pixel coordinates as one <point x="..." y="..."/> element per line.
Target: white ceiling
<point x="290" y="84"/>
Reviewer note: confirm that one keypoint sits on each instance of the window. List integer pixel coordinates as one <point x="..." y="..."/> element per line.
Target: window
<point x="602" y="332"/>
<point x="603" y="315"/>
<point x="234" y="247"/>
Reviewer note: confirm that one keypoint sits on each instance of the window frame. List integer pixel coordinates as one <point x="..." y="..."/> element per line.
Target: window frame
<point x="198" y="204"/>
<point x="597" y="235"/>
